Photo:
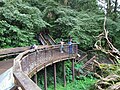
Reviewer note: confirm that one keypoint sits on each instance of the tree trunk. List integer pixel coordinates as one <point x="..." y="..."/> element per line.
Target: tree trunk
<point x="115" y="8"/>
<point x="109" y="7"/>
<point x="65" y="2"/>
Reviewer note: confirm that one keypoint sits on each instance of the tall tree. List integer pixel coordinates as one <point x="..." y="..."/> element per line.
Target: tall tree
<point x="109" y="7"/>
<point x="116" y="4"/>
<point x="65" y="2"/>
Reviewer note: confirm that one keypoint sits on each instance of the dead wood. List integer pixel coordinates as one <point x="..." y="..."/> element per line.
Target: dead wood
<point x="111" y="82"/>
<point x="114" y="52"/>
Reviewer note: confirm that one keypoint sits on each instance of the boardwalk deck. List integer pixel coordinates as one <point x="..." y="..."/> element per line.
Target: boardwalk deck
<point x="29" y="62"/>
<point x="5" y="65"/>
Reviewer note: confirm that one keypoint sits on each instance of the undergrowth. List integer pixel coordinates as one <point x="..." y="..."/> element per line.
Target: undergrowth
<point x="84" y="84"/>
<point x="80" y="83"/>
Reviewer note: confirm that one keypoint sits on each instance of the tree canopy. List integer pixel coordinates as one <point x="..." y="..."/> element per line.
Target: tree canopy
<point x="21" y="20"/>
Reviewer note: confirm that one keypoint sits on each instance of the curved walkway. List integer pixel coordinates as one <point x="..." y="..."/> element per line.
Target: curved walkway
<point x="5" y="65"/>
<point x="32" y="61"/>
<point x="28" y="63"/>
<point x="8" y="63"/>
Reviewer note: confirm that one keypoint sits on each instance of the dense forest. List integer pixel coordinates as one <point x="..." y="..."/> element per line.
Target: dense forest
<point x="92" y="24"/>
<point x="21" y="20"/>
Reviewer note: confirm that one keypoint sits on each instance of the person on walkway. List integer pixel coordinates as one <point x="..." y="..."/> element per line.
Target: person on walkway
<point x="70" y="46"/>
<point x="61" y="46"/>
<point x="34" y="46"/>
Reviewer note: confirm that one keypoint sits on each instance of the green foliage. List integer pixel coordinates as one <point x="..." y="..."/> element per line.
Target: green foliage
<point x="40" y="78"/>
<point x="80" y="19"/>
<point x="19" y="24"/>
<point x="12" y="36"/>
<point x="23" y="16"/>
<point x="70" y="22"/>
<point x="84" y="84"/>
<point x="21" y="20"/>
<point x="68" y="71"/>
<point x="88" y="5"/>
<point x="86" y="28"/>
<point x="108" y="69"/>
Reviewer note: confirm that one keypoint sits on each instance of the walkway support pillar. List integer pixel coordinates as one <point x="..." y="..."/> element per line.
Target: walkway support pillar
<point x="54" y="76"/>
<point x="45" y="78"/>
<point x="73" y="71"/>
<point x="64" y="73"/>
<point x="35" y="78"/>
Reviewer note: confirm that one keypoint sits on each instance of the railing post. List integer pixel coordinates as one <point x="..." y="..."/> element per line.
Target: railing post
<point x="52" y="55"/>
<point x="45" y="54"/>
<point x="45" y="79"/>
<point x="36" y="54"/>
<point x="76" y="49"/>
<point x="28" y="67"/>
<point x="54" y="76"/>
<point x="35" y="78"/>
<point x="29" y="59"/>
<point x="73" y="72"/>
<point x="64" y="73"/>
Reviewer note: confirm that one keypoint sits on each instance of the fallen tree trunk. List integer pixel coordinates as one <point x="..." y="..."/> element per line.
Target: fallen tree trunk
<point x="111" y="82"/>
